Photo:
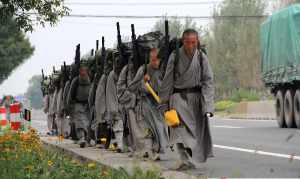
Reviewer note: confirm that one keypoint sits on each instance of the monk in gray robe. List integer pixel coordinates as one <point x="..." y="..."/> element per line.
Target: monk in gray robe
<point x="63" y="123"/>
<point x="51" y="114"/>
<point x="151" y="128"/>
<point x="114" y="110"/>
<point x="188" y="88"/>
<point x="100" y="124"/>
<point x="127" y="102"/>
<point x="100" y="107"/>
<point x="78" y="98"/>
<point x="68" y="108"/>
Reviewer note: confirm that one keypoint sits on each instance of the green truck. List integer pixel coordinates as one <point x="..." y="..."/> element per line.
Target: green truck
<point x="280" y="53"/>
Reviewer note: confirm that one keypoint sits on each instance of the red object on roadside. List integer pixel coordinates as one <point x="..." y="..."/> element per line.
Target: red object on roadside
<point x="15" y="116"/>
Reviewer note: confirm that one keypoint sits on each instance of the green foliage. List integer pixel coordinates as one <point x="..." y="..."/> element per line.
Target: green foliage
<point x="14" y="48"/>
<point x="34" y="93"/>
<point x="22" y="156"/>
<point x="284" y="3"/>
<point x="224" y="105"/>
<point x="244" y="95"/>
<point x="30" y="12"/>
<point x="233" y="46"/>
<point x="176" y="27"/>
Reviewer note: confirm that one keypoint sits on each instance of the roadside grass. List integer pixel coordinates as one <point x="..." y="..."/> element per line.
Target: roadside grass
<point x="225" y="106"/>
<point x="22" y="156"/>
<point x="245" y="95"/>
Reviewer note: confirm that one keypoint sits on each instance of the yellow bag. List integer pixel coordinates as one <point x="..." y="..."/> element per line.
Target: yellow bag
<point x="172" y="118"/>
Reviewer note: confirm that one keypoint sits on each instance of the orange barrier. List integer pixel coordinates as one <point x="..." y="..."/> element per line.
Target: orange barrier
<point x="15" y="116"/>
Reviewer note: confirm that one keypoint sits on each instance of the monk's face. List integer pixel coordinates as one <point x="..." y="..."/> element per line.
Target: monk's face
<point x="83" y="72"/>
<point x="190" y="42"/>
<point x="154" y="60"/>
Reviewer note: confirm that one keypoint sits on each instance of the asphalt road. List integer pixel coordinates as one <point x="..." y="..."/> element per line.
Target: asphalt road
<point x="253" y="148"/>
<point x="242" y="148"/>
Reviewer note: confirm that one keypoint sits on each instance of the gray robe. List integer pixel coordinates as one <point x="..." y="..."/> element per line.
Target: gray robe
<point x="46" y="103"/>
<point x="51" y="114"/>
<point x="62" y="122"/>
<point x="127" y="101"/>
<point x="149" y="120"/>
<point x="78" y="99"/>
<point x="194" y="130"/>
<point x="46" y="106"/>
<point x="113" y="108"/>
<point x="100" y="99"/>
<point x="65" y="97"/>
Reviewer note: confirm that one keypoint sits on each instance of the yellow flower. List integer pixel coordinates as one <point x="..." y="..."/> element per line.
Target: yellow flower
<point x="104" y="173"/>
<point x="50" y="163"/>
<point x="29" y="167"/>
<point x="60" y="138"/>
<point x="91" y="165"/>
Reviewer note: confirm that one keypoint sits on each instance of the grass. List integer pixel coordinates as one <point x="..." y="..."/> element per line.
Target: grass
<point x="244" y="95"/>
<point x="22" y="156"/>
<point x="225" y="105"/>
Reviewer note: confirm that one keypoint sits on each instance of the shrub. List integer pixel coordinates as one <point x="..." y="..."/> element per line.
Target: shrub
<point x="224" y="105"/>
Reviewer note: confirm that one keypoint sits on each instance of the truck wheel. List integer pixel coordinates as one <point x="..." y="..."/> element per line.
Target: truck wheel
<point x="297" y="108"/>
<point x="289" y="109"/>
<point x="280" y="109"/>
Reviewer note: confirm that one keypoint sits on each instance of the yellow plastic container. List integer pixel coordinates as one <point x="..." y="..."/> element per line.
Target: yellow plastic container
<point x="103" y="140"/>
<point x="172" y="118"/>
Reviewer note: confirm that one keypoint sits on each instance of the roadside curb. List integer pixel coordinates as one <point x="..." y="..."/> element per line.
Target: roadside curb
<point x="242" y="117"/>
<point x="110" y="159"/>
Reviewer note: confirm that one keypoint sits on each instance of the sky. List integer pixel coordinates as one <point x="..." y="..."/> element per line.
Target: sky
<point x="53" y="45"/>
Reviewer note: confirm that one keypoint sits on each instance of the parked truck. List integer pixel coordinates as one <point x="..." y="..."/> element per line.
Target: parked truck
<point x="280" y="53"/>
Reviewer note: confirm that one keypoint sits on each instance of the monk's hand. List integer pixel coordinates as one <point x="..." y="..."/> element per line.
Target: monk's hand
<point x="163" y="108"/>
<point x="209" y="114"/>
<point x="146" y="77"/>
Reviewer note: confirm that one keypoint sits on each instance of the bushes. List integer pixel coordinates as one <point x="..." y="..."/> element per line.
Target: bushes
<point x="224" y="105"/>
<point x="244" y="95"/>
<point x="22" y="156"/>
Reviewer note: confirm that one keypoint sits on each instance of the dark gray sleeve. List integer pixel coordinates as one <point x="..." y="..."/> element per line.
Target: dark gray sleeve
<point x="72" y="91"/>
<point x="137" y="84"/>
<point x="208" y="89"/>
<point x="46" y="103"/>
<point x="121" y="84"/>
<point x="65" y="93"/>
<point x="167" y="86"/>
<point x="111" y="99"/>
<point x="91" y="97"/>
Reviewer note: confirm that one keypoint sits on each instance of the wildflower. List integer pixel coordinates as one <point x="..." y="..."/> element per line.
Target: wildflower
<point x="29" y="167"/>
<point x="50" y="163"/>
<point x="91" y="165"/>
<point x="104" y="173"/>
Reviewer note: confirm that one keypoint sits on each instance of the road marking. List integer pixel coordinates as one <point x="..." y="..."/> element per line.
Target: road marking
<point x="291" y="157"/>
<point x="229" y="127"/>
<point x="246" y="120"/>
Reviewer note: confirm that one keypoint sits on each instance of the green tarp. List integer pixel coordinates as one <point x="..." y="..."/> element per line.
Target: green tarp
<point x="280" y="46"/>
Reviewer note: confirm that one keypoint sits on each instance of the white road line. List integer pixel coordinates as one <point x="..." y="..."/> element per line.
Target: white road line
<point x="248" y="120"/>
<point x="229" y="127"/>
<point x="292" y="157"/>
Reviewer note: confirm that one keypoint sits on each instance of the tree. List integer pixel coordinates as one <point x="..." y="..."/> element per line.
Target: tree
<point x="34" y="93"/>
<point x="176" y="27"/>
<point x="233" y="46"/>
<point x="284" y="3"/>
<point x="14" y="48"/>
<point x="26" y="12"/>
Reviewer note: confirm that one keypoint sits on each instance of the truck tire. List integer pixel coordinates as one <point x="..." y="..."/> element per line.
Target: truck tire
<point x="297" y="108"/>
<point x="280" y="109"/>
<point x="289" y="109"/>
